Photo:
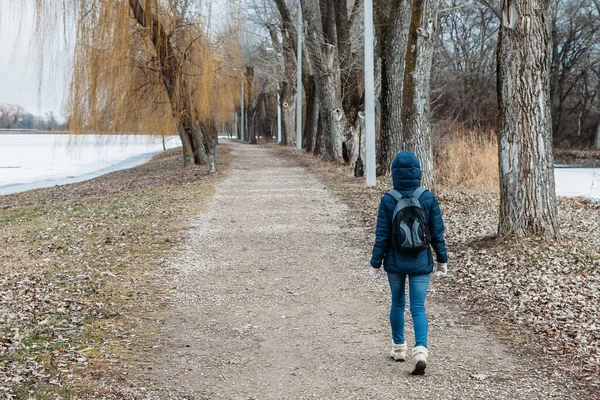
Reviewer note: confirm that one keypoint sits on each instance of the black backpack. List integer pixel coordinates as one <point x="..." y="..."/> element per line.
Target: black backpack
<point x="410" y="230"/>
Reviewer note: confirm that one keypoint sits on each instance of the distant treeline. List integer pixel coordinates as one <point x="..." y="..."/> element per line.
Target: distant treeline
<point x="16" y="117"/>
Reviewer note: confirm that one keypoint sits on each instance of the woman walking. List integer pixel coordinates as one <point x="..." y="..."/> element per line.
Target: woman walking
<point x="409" y="224"/>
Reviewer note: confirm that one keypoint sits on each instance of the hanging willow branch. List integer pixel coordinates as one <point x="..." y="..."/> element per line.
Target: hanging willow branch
<point x="146" y="66"/>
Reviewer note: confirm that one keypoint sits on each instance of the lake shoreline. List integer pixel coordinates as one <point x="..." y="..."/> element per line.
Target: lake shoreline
<point x="30" y="161"/>
<point x="577" y="158"/>
<point x="30" y="132"/>
<point x="46" y="183"/>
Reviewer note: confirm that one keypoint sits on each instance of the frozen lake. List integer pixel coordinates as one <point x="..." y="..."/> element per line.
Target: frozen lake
<point x="578" y="182"/>
<point x="30" y="161"/>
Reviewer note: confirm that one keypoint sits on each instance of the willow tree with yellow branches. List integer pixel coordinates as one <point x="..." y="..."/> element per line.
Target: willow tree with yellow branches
<point x="147" y="66"/>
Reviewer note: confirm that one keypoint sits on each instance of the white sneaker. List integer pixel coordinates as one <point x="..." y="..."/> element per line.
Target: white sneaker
<point x="419" y="360"/>
<point x="398" y="352"/>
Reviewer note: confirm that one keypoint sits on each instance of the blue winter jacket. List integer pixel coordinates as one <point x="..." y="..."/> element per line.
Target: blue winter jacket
<point x="406" y="175"/>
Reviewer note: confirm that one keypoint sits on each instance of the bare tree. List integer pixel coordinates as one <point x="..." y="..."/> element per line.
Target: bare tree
<point x="464" y="77"/>
<point x="575" y="71"/>
<point x="527" y="188"/>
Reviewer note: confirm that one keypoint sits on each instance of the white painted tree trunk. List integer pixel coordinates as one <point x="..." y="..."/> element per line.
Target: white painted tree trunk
<point x="527" y="188"/>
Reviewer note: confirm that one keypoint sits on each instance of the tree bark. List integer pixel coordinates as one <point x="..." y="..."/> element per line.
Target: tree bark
<point x="332" y="113"/>
<point x="326" y="71"/>
<point x="349" y="77"/>
<point x="312" y="114"/>
<point x="188" y="155"/>
<point x="527" y="188"/>
<point x="319" y="139"/>
<point x="288" y="111"/>
<point x="416" y="120"/>
<point x="288" y="85"/>
<point x="394" y="46"/>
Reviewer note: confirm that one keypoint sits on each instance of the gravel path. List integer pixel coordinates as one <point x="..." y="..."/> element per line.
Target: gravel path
<point x="274" y="302"/>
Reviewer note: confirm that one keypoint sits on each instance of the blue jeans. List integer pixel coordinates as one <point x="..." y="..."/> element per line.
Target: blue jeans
<point x="417" y="293"/>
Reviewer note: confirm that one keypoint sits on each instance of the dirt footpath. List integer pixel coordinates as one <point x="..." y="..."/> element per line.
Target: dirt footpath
<point x="274" y="302"/>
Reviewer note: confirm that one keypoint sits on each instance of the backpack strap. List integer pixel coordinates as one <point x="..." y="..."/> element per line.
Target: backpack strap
<point x="417" y="193"/>
<point x="395" y="194"/>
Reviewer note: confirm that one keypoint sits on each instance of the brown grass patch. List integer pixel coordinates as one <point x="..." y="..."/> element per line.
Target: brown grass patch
<point x="84" y="267"/>
<point x="467" y="160"/>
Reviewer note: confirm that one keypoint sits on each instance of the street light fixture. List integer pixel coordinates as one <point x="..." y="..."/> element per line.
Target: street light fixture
<point x="242" y="106"/>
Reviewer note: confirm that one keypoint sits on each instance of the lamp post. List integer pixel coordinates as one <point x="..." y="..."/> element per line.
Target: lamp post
<point x="242" y="118"/>
<point x="299" y="81"/>
<point x="369" y="96"/>
<point x="278" y="118"/>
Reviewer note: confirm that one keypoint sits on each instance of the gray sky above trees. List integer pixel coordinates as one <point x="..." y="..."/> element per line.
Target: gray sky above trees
<point x="20" y="60"/>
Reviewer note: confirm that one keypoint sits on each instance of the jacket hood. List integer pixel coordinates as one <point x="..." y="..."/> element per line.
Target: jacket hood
<point x="406" y="171"/>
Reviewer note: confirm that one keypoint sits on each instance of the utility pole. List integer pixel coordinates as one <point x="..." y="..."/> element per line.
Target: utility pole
<point x="369" y="96"/>
<point x="242" y="120"/>
<point x="278" y="118"/>
<point x="299" y="81"/>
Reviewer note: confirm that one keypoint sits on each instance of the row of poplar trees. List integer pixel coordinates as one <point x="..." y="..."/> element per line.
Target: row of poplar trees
<point x="406" y="31"/>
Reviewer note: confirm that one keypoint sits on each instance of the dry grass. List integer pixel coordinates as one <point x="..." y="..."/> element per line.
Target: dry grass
<point x="468" y="161"/>
<point x="82" y="270"/>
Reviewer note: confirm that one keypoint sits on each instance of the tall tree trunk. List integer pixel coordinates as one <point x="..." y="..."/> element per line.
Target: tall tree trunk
<point x="527" y="188"/>
<point x="288" y="85"/>
<point x="318" y="150"/>
<point x="198" y="138"/>
<point x="188" y="155"/>
<point x="288" y="92"/>
<point x="416" y="121"/>
<point x="312" y="114"/>
<point x="332" y="113"/>
<point x="324" y="58"/>
<point x="349" y="76"/>
<point x="393" y="56"/>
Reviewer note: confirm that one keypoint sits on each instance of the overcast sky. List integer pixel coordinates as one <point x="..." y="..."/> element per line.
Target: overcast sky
<point x="20" y="62"/>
